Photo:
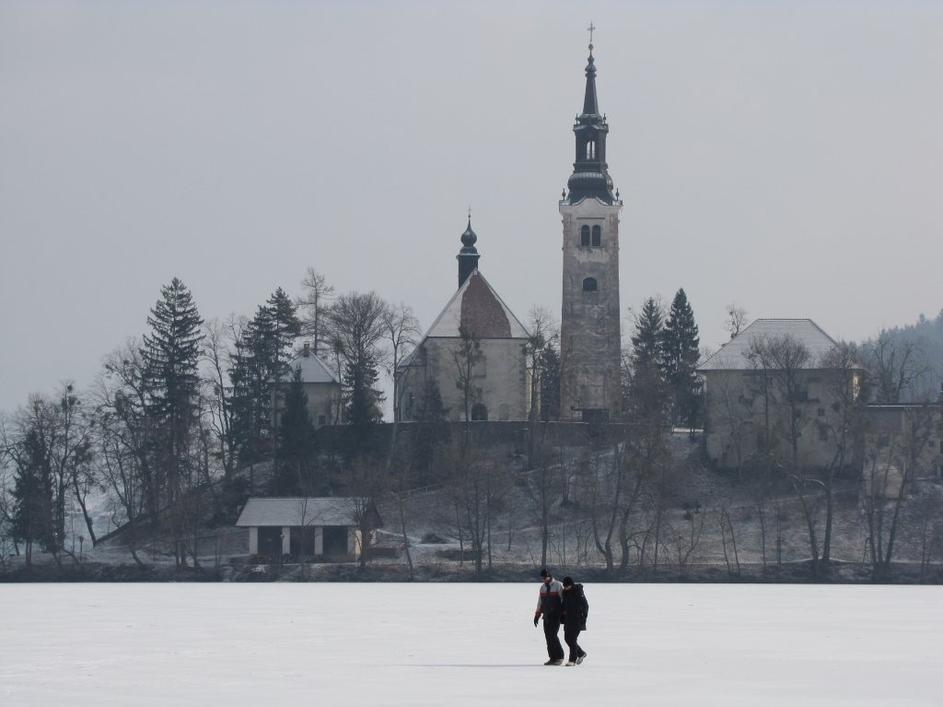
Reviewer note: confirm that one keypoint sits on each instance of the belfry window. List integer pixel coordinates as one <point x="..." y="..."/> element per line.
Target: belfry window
<point x="589" y="284"/>
<point x="591" y="150"/>
<point x="584" y="236"/>
<point x="597" y="236"/>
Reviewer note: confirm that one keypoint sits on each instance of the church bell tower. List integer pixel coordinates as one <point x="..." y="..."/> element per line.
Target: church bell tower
<point x="590" y="346"/>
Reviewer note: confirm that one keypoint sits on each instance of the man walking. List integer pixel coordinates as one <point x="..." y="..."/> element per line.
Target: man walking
<point x="548" y="606"/>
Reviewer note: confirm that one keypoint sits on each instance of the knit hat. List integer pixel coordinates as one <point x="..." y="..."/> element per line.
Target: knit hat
<point x="567" y="581"/>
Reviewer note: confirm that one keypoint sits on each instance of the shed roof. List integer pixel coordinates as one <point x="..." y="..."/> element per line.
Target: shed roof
<point x="734" y="355"/>
<point x="300" y="511"/>
<point x="313" y="369"/>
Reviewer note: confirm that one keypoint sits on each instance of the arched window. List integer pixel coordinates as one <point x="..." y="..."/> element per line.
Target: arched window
<point x="479" y="412"/>
<point x="584" y="236"/>
<point x="597" y="236"/>
<point x="591" y="150"/>
<point x="589" y="284"/>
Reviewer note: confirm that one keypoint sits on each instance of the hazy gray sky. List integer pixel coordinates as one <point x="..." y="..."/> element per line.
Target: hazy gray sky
<point x="787" y="156"/>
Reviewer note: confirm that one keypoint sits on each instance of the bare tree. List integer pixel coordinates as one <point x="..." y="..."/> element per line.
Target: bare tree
<point x="56" y="431"/>
<point x="123" y="439"/>
<point x="315" y="304"/>
<point x="783" y="360"/>
<point x="686" y="542"/>
<point x="897" y="368"/>
<point x="892" y="462"/>
<point x="218" y="345"/>
<point x="401" y="332"/>
<point x="358" y="328"/>
<point x="726" y="530"/>
<point x="736" y="319"/>
<point x="466" y="356"/>
<point x="842" y="425"/>
<point x="543" y="334"/>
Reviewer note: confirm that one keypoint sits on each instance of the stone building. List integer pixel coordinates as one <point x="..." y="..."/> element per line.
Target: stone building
<point x="740" y="388"/>
<point x="590" y="337"/>
<point x="500" y="381"/>
<point x="320" y="385"/>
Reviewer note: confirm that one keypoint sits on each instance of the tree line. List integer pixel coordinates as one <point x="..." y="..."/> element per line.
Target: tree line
<point x="175" y="413"/>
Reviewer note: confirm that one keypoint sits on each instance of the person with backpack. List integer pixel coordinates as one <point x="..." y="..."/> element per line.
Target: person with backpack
<point x="548" y="606"/>
<point x="575" y="610"/>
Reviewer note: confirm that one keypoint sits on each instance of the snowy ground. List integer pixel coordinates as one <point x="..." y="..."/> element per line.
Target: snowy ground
<point x="466" y="644"/>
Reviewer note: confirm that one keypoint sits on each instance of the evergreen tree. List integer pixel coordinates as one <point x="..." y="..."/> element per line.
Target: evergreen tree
<point x="170" y="355"/>
<point x="549" y="364"/>
<point x="32" y="513"/>
<point x="363" y="397"/>
<point x="647" y="391"/>
<point x="262" y="359"/>
<point x="297" y="444"/>
<point x="681" y="352"/>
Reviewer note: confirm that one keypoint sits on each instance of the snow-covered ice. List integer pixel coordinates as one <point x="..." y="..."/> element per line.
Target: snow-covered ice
<point x="466" y="644"/>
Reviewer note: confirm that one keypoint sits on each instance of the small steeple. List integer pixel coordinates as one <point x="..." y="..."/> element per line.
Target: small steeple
<point x="468" y="256"/>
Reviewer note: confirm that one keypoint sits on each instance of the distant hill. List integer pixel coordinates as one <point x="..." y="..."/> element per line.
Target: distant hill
<point x="926" y="336"/>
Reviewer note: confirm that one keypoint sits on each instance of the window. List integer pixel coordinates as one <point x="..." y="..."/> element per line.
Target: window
<point x="597" y="236"/>
<point x="591" y="150"/>
<point x="589" y="284"/>
<point x="322" y="420"/>
<point x="479" y="412"/>
<point x="584" y="236"/>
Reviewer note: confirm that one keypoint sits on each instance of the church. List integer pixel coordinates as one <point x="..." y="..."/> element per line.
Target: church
<point x="498" y="384"/>
<point x="472" y="363"/>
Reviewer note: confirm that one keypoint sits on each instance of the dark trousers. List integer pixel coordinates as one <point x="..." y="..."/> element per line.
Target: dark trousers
<point x="551" y="628"/>
<point x="570" y="634"/>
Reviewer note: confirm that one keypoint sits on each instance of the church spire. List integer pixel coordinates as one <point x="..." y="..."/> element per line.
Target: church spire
<point x="468" y="256"/>
<point x="590" y="171"/>
<point x="590" y="104"/>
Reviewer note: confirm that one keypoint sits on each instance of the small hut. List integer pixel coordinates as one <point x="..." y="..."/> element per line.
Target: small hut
<point x="329" y="529"/>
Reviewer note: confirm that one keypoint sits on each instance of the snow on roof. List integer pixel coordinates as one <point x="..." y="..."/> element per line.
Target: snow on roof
<point x="294" y="512"/>
<point x="477" y="306"/>
<point x="733" y="355"/>
<point x="313" y="369"/>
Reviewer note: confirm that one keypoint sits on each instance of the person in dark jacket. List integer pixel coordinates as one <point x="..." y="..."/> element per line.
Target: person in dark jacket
<point x="575" y="610"/>
<point x="548" y="606"/>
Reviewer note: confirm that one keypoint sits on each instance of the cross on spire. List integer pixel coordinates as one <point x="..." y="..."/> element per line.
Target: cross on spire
<point x="591" y="29"/>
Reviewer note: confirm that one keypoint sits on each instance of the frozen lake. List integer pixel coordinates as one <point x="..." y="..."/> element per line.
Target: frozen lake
<point x="466" y="644"/>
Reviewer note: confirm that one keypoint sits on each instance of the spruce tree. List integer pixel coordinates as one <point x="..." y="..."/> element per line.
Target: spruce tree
<point x="260" y="367"/>
<point x="32" y="512"/>
<point x="549" y="364"/>
<point x="363" y="397"/>
<point x="170" y="355"/>
<point x="647" y="392"/>
<point x="681" y="352"/>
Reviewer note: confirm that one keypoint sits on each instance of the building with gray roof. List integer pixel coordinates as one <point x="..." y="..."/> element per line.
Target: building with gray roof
<point x="320" y="528"/>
